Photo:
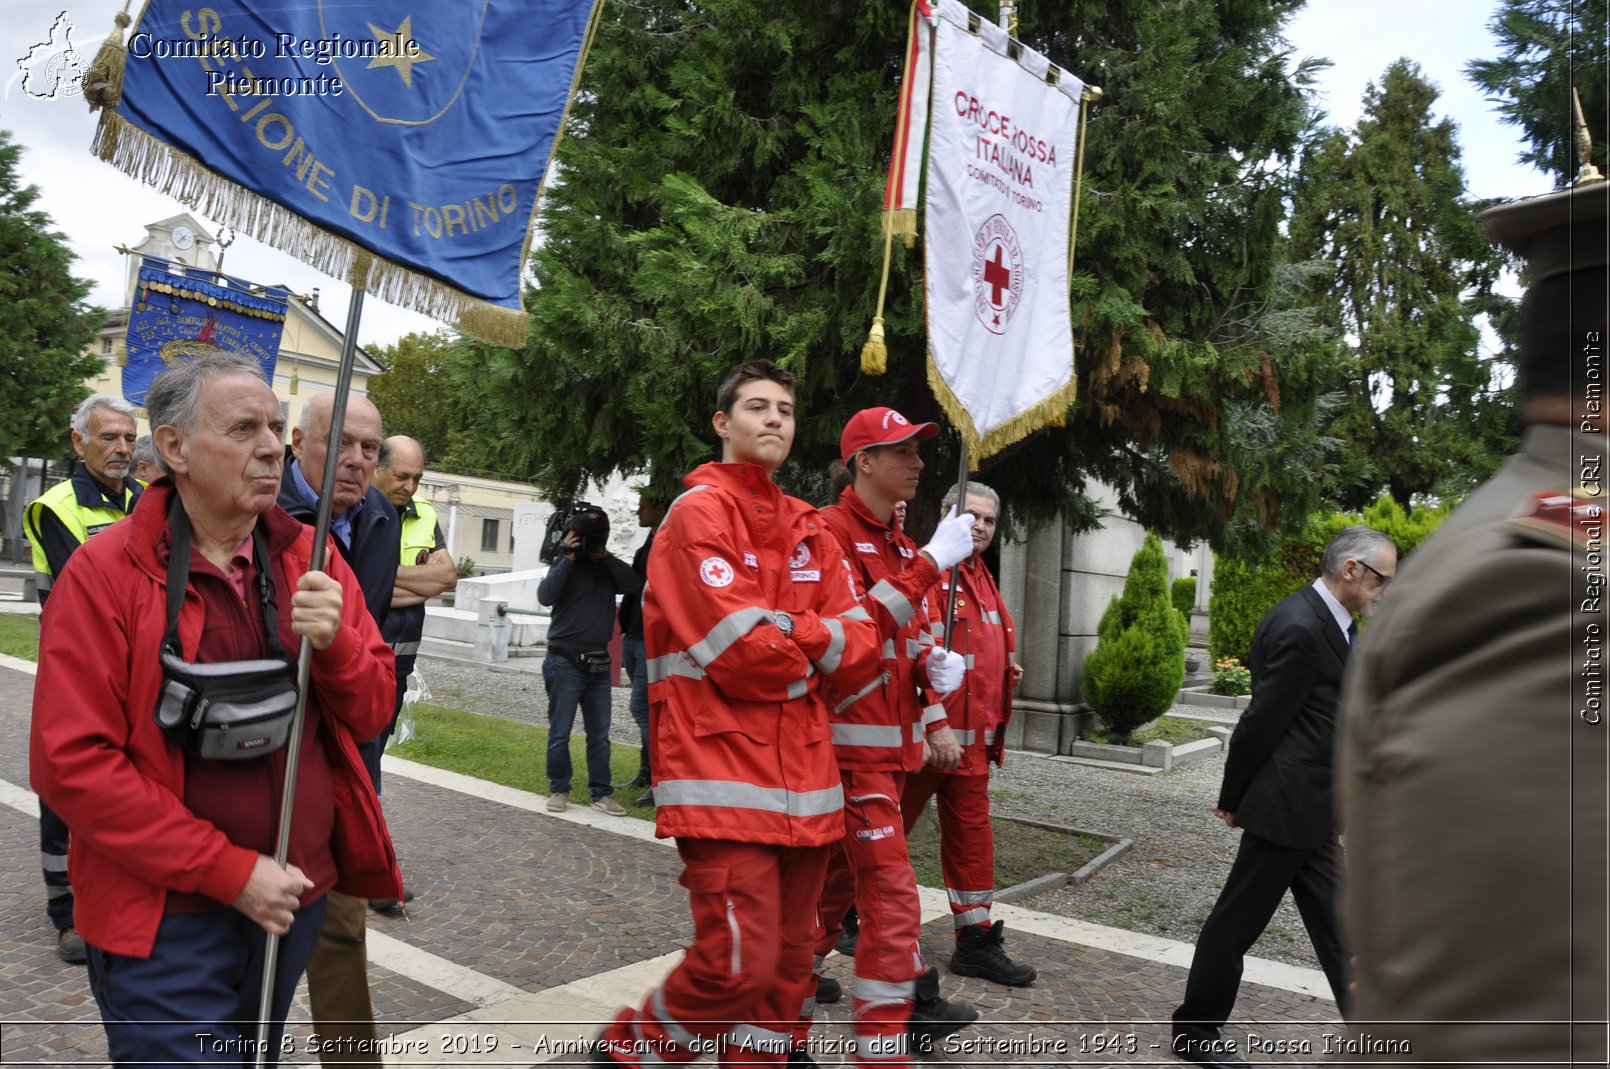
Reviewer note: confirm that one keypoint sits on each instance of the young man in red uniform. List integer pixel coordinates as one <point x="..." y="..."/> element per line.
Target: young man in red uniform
<point x="749" y="606"/>
<point x="883" y="732"/>
<point x="977" y="711"/>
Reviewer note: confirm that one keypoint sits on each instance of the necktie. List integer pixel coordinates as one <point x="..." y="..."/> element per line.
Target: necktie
<point x="1352" y="633"/>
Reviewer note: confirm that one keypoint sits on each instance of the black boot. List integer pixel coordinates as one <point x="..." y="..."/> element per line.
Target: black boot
<point x="640" y="781"/>
<point x="800" y="1056"/>
<point x="980" y="952"/>
<point x="828" y="990"/>
<point x="934" y="1018"/>
<point x="851" y="934"/>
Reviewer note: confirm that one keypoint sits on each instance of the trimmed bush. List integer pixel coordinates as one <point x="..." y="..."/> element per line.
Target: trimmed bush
<point x="1135" y="671"/>
<point x="1184" y="593"/>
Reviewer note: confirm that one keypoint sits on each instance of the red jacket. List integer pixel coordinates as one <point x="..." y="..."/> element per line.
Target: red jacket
<point x="741" y="744"/>
<point x="99" y="760"/>
<point x="881" y="727"/>
<point x="983" y="634"/>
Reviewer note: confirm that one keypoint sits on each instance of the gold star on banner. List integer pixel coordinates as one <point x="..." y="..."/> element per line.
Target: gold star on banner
<point x="396" y="43"/>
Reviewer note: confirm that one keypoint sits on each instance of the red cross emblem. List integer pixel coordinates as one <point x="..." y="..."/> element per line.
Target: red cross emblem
<point x="997" y="273"/>
<point x="715" y="571"/>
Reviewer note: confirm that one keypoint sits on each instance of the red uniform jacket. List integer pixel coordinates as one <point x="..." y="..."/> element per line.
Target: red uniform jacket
<point x="99" y="760"/>
<point x="980" y="708"/>
<point x="881" y="726"/>
<point x="741" y="743"/>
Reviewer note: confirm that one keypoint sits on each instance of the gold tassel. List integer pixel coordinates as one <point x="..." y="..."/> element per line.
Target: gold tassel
<point x="874" y="354"/>
<point x="103" y="82"/>
<point x="903" y="221"/>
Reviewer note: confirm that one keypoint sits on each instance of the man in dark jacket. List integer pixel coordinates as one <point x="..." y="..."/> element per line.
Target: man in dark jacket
<point x="650" y="511"/>
<point x="368" y="534"/>
<point x="580" y="588"/>
<point x="1277" y="789"/>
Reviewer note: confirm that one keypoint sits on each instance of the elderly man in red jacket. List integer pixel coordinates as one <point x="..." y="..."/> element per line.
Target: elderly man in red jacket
<point x="173" y="832"/>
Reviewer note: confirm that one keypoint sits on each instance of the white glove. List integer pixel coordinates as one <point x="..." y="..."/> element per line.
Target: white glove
<point x="945" y="670"/>
<point x="952" y="542"/>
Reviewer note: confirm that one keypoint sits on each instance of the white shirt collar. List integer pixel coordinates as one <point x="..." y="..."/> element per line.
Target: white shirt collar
<point x="1344" y="619"/>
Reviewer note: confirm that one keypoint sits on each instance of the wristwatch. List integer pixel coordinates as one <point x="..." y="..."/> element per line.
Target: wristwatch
<point x="784" y="622"/>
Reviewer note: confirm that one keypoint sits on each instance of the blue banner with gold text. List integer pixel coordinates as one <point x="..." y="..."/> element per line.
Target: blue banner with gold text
<point x="182" y="312"/>
<point x="402" y="147"/>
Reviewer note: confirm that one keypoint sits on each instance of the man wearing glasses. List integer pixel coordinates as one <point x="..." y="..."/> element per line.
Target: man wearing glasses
<point x="1277" y="789"/>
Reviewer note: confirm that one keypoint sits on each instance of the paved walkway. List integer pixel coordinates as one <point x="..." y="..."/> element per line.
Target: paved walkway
<point x="531" y="928"/>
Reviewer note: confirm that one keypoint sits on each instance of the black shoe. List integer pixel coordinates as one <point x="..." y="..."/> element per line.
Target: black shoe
<point x="980" y="952"/>
<point x="934" y="1018"/>
<point x="828" y="990"/>
<point x="645" y="799"/>
<point x="800" y="1056"/>
<point x="386" y="905"/>
<point x="851" y="934"/>
<point x="639" y="781"/>
<point x="598" y="1051"/>
<point x="1216" y="1053"/>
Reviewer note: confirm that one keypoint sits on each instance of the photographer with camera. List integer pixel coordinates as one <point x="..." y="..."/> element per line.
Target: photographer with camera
<point x="580" y="588"/>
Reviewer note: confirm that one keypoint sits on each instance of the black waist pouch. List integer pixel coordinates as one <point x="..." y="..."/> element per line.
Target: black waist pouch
<point x="223" y="710"/>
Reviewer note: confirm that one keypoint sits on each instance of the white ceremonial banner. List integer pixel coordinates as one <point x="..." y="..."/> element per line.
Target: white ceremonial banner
<point x="1002" y="147"/>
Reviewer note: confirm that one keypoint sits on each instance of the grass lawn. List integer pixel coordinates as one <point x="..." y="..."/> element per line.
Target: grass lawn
<point x="19" y="635"/>
<point x="510" y="753"/>
<point x="1170" y="729"/>
<point x="1022" y="852"/>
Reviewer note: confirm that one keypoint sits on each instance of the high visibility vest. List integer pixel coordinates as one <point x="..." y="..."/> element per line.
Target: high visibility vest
<point x="418" y="534"/>
<point x="84" y="522"/>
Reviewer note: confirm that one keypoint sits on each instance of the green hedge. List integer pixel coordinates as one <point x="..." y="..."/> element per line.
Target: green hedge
<point x="1136" y="669"/>
<point x="1184" y="594"/>
<point x="1243" y="590"/>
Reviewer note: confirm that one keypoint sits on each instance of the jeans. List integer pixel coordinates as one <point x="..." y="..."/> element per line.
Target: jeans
<point x="567" y="687"/>
<point x="635" y="661"/>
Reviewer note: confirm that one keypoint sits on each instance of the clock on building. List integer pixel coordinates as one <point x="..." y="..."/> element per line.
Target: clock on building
<point x="183" y="237"/>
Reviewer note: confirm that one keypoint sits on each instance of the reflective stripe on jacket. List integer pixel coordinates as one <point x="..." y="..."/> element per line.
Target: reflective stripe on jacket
<point x="741" y="742"/>
<point x="881" y="726"/>
<point x="983" y="634"/>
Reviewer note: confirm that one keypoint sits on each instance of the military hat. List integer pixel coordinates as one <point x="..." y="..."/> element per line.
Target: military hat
<point x="1557" y="233"/>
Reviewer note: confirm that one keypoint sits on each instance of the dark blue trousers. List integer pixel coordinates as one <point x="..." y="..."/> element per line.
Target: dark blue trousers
<point x="194" y="1001"/>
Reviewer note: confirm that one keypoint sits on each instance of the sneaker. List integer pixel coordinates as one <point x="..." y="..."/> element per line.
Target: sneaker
<point x="559" y="801"/>
<point x="934" y="1018"/>
<point x="644" y="800"/>
<point x="607" y="804"/>
<point x="828" y="990"/>
<point x="70" y="946"/>
<point x="980" y="952"/>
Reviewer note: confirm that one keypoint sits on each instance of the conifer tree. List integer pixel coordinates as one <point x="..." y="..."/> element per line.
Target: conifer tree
<point x="1551" y="46"/>
<point x="1384" y="205"/>
<point x="45" y="325"/>
<point x="1135" y="671"/>
<point x="717" y="199"/>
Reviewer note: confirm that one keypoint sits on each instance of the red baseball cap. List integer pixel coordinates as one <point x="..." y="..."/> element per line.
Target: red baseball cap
<point x="879" y="426"/>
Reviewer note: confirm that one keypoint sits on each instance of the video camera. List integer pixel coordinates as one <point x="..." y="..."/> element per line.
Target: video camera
<point x="589" y="522"/>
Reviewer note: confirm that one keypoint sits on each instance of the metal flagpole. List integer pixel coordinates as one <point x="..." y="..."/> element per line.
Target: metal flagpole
<point x="955" y="569"/>
<point x="304" y="657"/>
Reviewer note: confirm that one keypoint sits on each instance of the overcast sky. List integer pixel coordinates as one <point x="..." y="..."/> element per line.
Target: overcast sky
<point x="99" y="208"/>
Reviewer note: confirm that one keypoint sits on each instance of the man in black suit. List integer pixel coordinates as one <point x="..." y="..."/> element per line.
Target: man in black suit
<point x="1277" y="789"/>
